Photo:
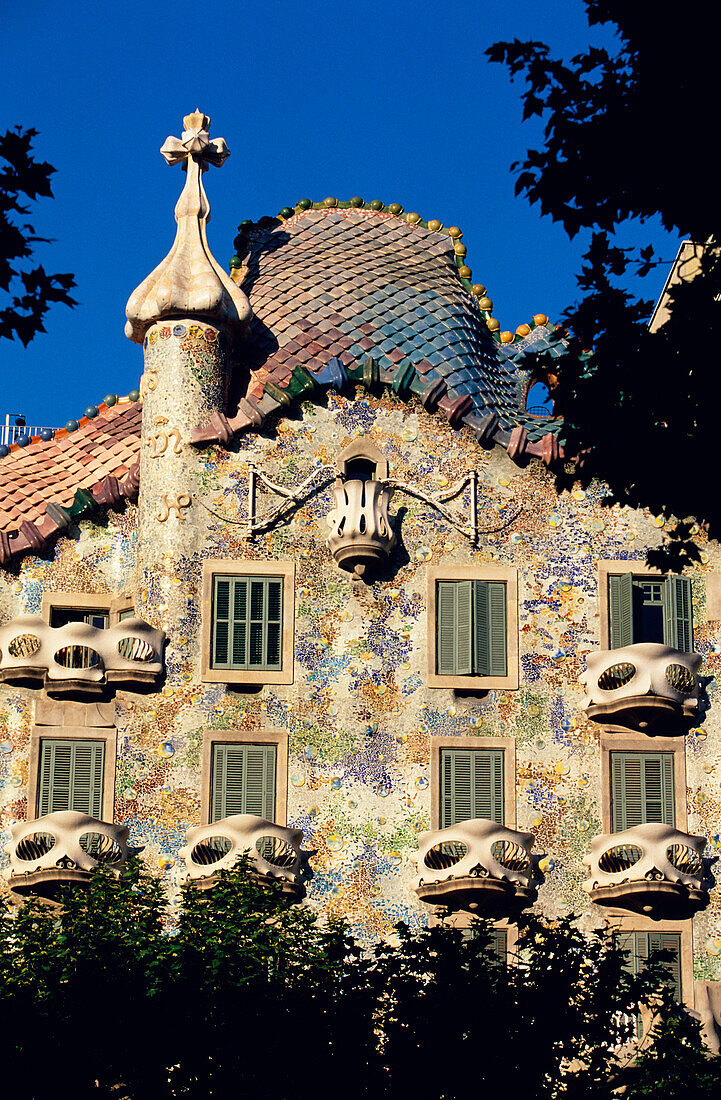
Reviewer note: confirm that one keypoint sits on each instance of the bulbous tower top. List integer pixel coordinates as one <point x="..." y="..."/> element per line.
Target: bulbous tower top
<point x="189" y="282"/>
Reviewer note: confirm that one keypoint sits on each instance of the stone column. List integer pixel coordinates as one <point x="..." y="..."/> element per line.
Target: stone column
<point x="184" y="314"/>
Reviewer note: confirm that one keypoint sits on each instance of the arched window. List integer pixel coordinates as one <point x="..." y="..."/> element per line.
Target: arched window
<point x="538" y="400"/>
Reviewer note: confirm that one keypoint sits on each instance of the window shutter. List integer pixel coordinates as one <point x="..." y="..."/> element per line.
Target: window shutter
<point x="487" y="784"/>
<point x="497" y="628"/>
<point x="445" y="628"/>
<point x="221" y="622"/>
<point x="626" y="942"/>
<point x="453" y="628"/>
<point x="471" y="785"/>
<point x="642" y="789"/>
<point x="677" y="614"/>
<point x="464" y="616"/>
<point x="71" y="777"/>
<point x="499" y="944"/>
<point x="620" y="604"/>
<point x="274" y="623"/>
<point x="239" y="587"/>
<point x="490" y="628"/>
<point x="670" y="942"/>
<point x="243" y="781"/>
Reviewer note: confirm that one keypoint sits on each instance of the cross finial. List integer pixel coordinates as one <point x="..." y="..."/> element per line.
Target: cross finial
<point x="189" y="282"/>
<point x="195" y="142"/>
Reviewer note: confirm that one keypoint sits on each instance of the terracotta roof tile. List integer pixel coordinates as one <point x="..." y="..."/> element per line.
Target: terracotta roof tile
<point x="41" y="473"/>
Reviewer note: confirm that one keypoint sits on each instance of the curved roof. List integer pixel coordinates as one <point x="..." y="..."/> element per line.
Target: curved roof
<point x="46" y="485"/>
<point x="350" y="284"/>
<point x="340" y="293"/>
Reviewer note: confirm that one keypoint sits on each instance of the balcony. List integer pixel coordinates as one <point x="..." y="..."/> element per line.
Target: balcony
<point x="273" y="850"/>
<point x="651" y="869"/>
<point x="62" y="848"/>
<point x="478" y="866"/>
<point x="78" y="657"/>
<point x="646" y="686"/>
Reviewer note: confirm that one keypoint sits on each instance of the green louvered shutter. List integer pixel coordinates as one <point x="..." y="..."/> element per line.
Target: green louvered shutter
<point x="248" y="623"/>
<point x="71" y="777"/>
<point x="471" y="785"/>
<point x="642" y="789"/>
<point x="677" y="615"/>
<point x="490" y="628"/>
<point x="454" y="613"/>
<point x="670" y="942"/>
<point x="243" y="781"/>
<point x="221" y="622"/>
<point x="499" y="944"/>
<point x="620" y="608"/>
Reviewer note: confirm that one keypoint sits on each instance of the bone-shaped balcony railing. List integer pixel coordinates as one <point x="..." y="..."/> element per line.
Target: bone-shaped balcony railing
<point x="643" y="685"/>
<point x="78" y="656"/>
<point x="274" y="851"/>
<point x="477" y="865"/>
<point x="63" y="847"/>
<point x="651" y="868"/>
<point x="361" y="533"/>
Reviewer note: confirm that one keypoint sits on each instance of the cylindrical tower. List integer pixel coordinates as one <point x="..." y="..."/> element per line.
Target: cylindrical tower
<point x="185" y="314"/>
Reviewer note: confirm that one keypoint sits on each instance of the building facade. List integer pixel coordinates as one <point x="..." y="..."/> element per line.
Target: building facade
<point x="311" y="591"/>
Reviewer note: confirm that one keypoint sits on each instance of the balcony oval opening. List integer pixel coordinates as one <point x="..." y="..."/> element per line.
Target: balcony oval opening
<point x="277" y="852"/>
<point x="681" y="679"/>
<point x="136" y="649"/>
<point x="685" y="860"/>
<point x="445" y="854"/>
<point x="510" y="855"/>
<point x="616" y="676"/>
<point x="620" y="858"/>
<point x="35" y="846"/>
<point x="210" y="850"/>
<point x="77" y="656"/>
<point x="101" y="847"/>
<point x="24" y="645"/>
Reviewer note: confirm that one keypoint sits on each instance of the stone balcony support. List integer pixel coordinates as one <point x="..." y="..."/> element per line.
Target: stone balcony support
<point x="652" y="869"/>
<point x="78" y="657"/>
<point x="476" y="865"/>
<point x="646" y="686"/>
<point x="274" y="851"/>
<point x="62" y="848"/>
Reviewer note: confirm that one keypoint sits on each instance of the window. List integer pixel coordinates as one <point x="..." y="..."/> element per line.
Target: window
<point x="244" y="773"/>
<point x="248" y="610"/>
<point x="650" y="609"/>
<point x="472" y="785"/>
<point x="247" y="622"/>
<point x="640" y="945"/>
<point x="71" y="776"/>
<point x="642" y="789"/>
<point x="497" y="945"/>
<point x="538" y="400"/>
<point x="243" y="780"/>
<point x="472" y="628"/>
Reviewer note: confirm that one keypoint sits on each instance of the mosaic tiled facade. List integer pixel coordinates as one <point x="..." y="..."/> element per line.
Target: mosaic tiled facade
<point x="360" y="718"/>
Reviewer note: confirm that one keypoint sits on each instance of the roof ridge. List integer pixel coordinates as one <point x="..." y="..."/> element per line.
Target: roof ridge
<point x="377" y="206"/>
<point x="48" y="434"/>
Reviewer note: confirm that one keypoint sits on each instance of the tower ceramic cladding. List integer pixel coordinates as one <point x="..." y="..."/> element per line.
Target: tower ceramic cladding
<point x="311" y="592"/>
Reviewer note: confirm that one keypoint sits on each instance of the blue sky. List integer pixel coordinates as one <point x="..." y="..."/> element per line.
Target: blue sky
<point x="384" y="100"/>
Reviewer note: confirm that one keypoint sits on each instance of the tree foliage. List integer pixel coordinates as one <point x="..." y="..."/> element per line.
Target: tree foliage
<point x="624" y="132"/>
<point x="29" y="291"/>
<point x="237" y="992"/>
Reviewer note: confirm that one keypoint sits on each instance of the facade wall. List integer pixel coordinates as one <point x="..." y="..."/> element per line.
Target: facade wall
<point x="359" y="716"/>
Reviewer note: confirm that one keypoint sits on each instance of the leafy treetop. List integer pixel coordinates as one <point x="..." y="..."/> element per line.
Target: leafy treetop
<point x="23" y="178"/>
